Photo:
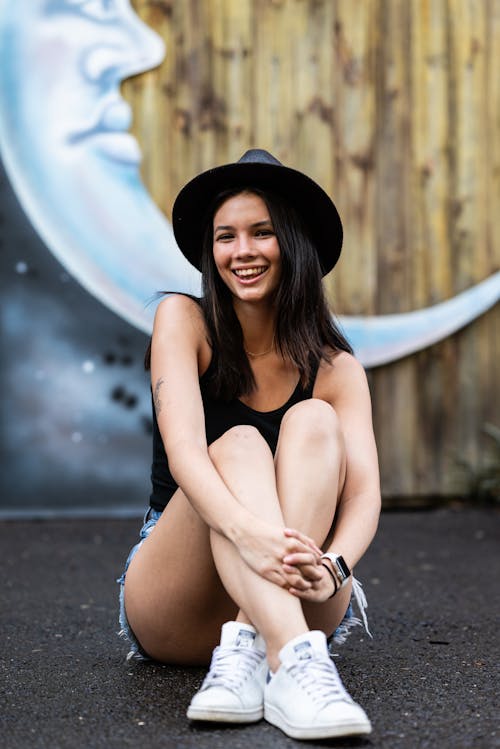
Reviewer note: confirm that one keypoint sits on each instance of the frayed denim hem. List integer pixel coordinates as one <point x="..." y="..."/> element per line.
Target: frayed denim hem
<point x="350" y="620"/>
<point x="136" y="652"/>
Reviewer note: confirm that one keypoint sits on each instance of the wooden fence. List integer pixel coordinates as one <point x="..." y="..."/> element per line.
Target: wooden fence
<point x="394" y="107"/>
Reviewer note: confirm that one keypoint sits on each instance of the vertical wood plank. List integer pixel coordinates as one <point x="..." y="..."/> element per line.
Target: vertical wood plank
<point x="353" y="284"/>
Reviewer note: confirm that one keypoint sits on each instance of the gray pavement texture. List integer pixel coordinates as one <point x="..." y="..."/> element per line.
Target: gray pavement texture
<point x="429" y="677"/>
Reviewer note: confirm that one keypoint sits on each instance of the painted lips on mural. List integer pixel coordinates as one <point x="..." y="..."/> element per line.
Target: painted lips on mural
<point x="65" y="144"/>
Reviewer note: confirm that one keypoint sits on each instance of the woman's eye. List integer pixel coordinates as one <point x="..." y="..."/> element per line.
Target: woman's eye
<point x="224" y="237"/>
<point x="264" y="233"/>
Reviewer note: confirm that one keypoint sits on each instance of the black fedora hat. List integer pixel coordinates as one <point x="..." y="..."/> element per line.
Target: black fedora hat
<point x="259" y="169"/>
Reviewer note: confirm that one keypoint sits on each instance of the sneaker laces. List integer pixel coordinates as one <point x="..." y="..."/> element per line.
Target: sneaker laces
<point x="319" y="678"/>
<point x="231" y="666"/>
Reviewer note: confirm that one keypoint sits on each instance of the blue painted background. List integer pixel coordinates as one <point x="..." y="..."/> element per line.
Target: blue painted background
<point x="75" y="411"/>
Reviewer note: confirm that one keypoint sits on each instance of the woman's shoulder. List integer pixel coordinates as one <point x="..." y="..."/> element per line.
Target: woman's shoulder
<point x="179" y="329"/>
<point x="179" y="311"/>
<point x="341" y="362"/>
<point x="342" y="373"/>
<point x="180" y="326"/>
<point x="179" y="303"/>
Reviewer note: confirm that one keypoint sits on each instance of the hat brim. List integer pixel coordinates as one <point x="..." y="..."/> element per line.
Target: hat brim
<point x="312" y="203"/>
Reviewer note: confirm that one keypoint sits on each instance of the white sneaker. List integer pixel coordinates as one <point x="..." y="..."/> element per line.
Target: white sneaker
<point x="233" y="689"/>
<point x="306" y="698"/>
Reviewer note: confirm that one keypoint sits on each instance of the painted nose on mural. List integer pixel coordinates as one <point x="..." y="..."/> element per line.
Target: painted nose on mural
<point x="140" y="49"/>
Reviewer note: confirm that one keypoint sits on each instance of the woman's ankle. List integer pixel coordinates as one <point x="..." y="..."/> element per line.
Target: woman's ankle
<point x="242" y="618"/>
<point x="275" y="644"/>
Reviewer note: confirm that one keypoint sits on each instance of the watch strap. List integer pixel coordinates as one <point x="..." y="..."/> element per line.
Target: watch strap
<point x="339" y="565"/>
<point x="335" y="580"/>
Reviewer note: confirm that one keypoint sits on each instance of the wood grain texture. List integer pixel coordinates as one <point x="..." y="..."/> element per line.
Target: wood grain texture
<point x="394" y="107"/>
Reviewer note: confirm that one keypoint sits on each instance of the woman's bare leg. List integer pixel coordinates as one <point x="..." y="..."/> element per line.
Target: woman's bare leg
<point x="246" y="464"/>
<point x="174" y="598"/>
<point x="177" y="563"/>
<point x="310" y="472"/>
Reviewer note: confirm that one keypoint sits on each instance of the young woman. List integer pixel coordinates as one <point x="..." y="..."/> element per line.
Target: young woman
<point x="265" y="476"/>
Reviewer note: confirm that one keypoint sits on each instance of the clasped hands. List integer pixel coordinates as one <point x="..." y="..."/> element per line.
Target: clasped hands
<point x="288" y="558"/>
<point x="310" y="580"/>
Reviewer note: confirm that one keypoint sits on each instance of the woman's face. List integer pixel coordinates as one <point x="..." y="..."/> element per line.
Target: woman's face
<point x="245" y="247"/>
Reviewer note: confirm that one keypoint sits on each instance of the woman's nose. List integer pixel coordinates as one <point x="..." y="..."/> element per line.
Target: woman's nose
<point x="244" y="246"/>
<point x="131" y="47"/>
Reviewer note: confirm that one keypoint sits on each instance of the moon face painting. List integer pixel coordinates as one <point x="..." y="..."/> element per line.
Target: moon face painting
<point x="65" y="145"/>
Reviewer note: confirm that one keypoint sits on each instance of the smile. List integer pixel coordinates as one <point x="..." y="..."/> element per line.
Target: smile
<point x="250" y="273"/>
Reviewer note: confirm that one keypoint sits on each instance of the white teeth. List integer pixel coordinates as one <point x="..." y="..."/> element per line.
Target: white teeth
<point x="249" y="271"/>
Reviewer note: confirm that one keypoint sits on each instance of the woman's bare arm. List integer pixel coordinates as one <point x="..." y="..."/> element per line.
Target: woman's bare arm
<point x="344" y="386"/>
<point x="177" y="348"/>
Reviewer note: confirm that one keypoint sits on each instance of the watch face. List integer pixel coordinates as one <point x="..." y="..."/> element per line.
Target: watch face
<point x="343" y="568"/>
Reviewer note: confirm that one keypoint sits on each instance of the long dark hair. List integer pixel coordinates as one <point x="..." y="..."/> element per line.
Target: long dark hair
<point x="306" y="332"/>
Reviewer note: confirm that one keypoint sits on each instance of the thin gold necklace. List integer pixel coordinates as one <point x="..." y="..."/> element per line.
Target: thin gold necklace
<point x="264" y="353"/>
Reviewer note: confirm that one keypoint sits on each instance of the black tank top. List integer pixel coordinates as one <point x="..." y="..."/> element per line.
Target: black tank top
<point x="220" y="416"/>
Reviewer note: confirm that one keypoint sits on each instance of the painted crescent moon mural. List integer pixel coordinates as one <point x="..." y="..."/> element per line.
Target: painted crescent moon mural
<point x="75" y="169"/>
<point x="382" y="339"/>
<point x="71" y="161"/>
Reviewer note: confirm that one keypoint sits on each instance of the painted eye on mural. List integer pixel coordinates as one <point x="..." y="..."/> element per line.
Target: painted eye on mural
<point x="100" y="10"/>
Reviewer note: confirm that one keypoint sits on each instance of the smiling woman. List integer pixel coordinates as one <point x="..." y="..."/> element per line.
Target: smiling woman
<point x="265" y="475"/>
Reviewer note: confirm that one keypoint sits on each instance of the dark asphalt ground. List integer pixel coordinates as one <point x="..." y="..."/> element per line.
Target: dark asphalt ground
<point x="429" y="678"/>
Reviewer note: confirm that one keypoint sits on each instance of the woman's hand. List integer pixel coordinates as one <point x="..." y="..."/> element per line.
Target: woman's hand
<point x="322" y="585"/>
<point x="264" y="548"/>
<point x="320" y="590"/>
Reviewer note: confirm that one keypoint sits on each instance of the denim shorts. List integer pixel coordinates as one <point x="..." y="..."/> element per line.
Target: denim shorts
<point x="338" y="637"/>
<point x="151" y="517"/>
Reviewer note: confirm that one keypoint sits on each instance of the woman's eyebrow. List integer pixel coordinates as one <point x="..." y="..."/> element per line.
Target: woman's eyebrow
<point x="253" y="226"/>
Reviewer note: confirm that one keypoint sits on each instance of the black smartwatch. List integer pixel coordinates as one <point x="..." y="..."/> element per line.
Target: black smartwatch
<point x="340" y="567"/>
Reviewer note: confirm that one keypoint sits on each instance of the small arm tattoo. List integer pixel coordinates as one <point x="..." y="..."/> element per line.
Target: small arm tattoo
<point x="156" y="396"/>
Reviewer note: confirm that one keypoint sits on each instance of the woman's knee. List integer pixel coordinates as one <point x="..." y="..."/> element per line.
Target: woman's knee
<point x="314" y="419"/>
<point x="241" y="439"/>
